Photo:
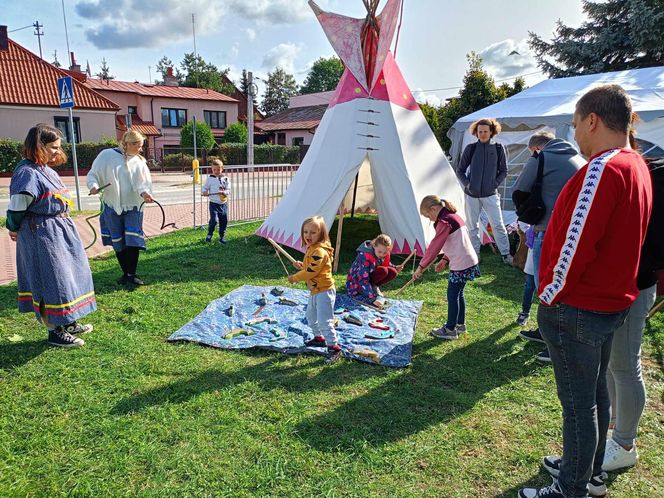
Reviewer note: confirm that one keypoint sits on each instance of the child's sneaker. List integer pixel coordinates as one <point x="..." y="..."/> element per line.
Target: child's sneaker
<point x="522" y="319"/>
<point x="208" y="238"/>
<point x="77" y="328"/>
<point x="461" y="328"/>
<point x="317" y="342"/>
<point x="508" y="259"/>
<point x="222" y="241"/>
<point x="333" y="354"/>
<point x="616" y="457"/>
<point x="62" y="339"/>
<point x="445" y="333"/>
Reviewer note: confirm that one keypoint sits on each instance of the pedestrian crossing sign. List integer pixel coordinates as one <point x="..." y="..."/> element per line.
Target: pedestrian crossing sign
<point x="66" y="92"/>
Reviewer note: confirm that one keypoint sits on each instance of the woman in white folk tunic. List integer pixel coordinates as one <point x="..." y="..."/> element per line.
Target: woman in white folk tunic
<point x="122" y="177"/>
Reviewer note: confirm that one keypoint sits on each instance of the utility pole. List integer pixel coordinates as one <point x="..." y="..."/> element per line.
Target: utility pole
<point x="39" y="34"/>
<point x="150" y="74"/>
<point x="64" y="16"/>
<point x="251" y="92"/>
<point x="193" y="30"/>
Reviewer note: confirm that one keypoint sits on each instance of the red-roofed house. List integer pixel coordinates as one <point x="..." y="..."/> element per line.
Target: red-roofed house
<point x="160" y="111"/>
<point x="29" y="95"/>
<point x="297" y="124"/>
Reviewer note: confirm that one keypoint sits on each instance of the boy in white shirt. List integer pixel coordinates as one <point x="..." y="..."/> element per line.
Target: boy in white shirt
<point x="217" y="188"/>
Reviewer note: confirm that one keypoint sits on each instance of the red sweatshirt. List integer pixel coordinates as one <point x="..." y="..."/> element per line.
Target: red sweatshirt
<point x="592" y="244"/>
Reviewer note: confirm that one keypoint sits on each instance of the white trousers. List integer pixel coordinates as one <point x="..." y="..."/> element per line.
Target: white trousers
<point x="491" y="206"/>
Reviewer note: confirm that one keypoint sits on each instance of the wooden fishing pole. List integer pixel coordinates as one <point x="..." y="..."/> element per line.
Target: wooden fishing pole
<point x="413" y="279"/>
<point x="281" y="250"/>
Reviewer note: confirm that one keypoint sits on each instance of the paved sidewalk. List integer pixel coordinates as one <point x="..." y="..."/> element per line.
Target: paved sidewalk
<point x="180" y="214"/>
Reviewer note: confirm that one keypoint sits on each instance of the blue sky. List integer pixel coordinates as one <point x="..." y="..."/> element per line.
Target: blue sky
<point x="258" y="35"/>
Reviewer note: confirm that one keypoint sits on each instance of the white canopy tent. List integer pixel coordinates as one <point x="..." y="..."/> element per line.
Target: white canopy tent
<point x="373" y="130"/>
<point x="550" y="105"/>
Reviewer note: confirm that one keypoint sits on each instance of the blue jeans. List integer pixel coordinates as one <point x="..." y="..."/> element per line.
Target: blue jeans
<point x="579" y="342"/>
<point x="537" y="252"/>
<point x="456" y="304"/>
<point x="528" y="291"/>
<point x="218" y="211"/>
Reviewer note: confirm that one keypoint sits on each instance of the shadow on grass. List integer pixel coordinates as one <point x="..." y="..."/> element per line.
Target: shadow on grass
<point x="14" y="355"/>
<point x="435" y="390"/>
<point x="269" y="374"/>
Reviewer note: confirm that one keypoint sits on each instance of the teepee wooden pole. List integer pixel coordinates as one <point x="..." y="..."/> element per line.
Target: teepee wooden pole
<point x="281" y="250"/>
<point x="340" y="226"/>
<point x="407" y="259"/>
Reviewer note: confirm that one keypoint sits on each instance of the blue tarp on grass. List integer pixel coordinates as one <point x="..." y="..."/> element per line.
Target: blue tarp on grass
<point x="214" y="322"/>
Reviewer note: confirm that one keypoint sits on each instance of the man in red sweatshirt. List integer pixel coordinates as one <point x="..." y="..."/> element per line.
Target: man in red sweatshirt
<point x="588" y="269"/>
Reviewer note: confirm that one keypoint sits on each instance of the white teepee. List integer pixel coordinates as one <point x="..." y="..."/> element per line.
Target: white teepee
<point x="372" y="120"/>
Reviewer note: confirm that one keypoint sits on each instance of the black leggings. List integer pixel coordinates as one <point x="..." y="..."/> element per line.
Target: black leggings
<point x="128" y="259"/>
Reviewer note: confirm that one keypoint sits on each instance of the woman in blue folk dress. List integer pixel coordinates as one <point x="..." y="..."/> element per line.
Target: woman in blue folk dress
<point x="54" y="279"/>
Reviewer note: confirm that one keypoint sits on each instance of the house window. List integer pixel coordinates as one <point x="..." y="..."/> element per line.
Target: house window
<point x="281" y="139"/>
<point x="297" y="141"/>
<point x="173" y="118"/>
<point x="132" y="109"/>
<point x="62" y="124"/>
<point x="215" y="119"/>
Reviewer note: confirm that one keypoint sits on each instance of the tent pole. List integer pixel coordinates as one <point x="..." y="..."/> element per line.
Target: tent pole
<point x="352" y="209"/>
<point x="340" y="225"/>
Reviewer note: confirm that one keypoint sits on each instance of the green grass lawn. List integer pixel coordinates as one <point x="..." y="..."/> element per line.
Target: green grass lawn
<point x="130" y="414"/>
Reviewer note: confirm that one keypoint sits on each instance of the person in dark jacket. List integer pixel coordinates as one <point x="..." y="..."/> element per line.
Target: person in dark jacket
<point x="482" y="168"/>
<point x="627" y="390"/>
<point x="561" y="162"/>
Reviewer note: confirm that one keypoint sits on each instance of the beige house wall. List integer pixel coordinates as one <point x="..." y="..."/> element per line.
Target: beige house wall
<point x="15" y="121"/>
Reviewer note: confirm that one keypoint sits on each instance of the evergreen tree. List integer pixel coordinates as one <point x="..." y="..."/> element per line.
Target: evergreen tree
<point x="280" y="86"/>
<point x="196" y="73"/>
<point x="618" y="35"/>
<point x="323" y="76"/>
<point x="104" y="71"/>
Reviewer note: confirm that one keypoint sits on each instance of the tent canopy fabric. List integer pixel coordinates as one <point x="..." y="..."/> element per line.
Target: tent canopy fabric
<point x="377" y="134"/>
<point x="551" y="103"/>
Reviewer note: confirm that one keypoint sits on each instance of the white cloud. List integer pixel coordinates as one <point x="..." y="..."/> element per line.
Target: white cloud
<point x="508" y="58"/>
<point x="283" y="56"/>
<point x="272" y="11"/>
<point x="234" y="50"/>
<point x="114" y="24"/>
<point x="422" y="97"/>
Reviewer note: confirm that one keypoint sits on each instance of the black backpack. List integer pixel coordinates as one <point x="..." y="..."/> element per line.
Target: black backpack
<point x="530" y="207"/>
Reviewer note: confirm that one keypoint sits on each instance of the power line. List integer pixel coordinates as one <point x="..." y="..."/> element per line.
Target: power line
<point x="458" y="87"/>
<point x="24" y="27"/>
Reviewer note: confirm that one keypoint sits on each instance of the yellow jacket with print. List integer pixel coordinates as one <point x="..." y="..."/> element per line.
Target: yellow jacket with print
<point x="317" y="268"/>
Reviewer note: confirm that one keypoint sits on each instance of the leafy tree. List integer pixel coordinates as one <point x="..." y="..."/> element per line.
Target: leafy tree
<point x="235" y="133"/>
<point x="104" y="71"/>
<point x="204" y="136"/>
<point x="201" y="74"/>
<point x="323" y="76"/>
<point x="479" y="90"/>
<point x="618" y="35"/>
<point x="431" y="115"/>
<point x="280" y="86"/>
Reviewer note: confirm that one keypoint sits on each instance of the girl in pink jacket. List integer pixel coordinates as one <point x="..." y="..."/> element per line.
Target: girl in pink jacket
<point x="453" y="240"/>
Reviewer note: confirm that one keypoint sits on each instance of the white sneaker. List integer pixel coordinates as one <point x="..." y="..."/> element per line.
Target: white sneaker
<point x="616" y="457"/>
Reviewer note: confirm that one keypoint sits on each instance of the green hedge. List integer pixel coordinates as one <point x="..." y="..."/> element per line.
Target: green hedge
<point x="180" y="162"/>
<point x="11" y="153"/>
<point x="263" y="154"/>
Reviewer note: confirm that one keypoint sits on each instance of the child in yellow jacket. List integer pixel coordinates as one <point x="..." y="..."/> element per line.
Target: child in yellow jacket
<point x="316" y="272"/>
